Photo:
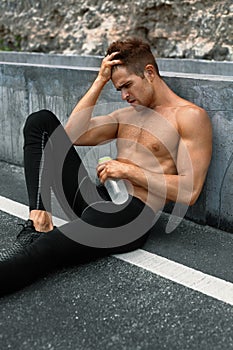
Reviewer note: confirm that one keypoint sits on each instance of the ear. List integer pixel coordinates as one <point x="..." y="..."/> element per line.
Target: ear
<point x="149" y="72"/>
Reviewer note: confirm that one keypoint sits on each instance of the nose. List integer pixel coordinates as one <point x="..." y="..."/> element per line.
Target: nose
<point x="124" y="94"/>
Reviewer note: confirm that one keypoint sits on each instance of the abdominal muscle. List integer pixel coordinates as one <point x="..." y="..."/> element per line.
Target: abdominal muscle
<point x="148" y="197"/>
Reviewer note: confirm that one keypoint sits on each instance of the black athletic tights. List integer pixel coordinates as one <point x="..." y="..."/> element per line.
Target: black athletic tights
<point x="50" y="161"/>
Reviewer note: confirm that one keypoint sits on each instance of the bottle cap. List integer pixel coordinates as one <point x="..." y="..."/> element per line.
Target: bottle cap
<point x="104" y="159"/>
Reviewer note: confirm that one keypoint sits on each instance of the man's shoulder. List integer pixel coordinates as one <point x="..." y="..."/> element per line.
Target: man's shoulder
<point x="191" y="117"/>
<point x="122" y="112"/>
<point x="190" y="113"/>
<point x="190" y="108"/>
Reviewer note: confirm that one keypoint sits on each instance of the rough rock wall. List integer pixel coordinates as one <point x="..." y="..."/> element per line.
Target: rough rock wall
<point x="174" y="28"/>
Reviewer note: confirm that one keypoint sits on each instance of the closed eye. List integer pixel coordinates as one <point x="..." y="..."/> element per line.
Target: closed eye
<point x="127" y="85"/>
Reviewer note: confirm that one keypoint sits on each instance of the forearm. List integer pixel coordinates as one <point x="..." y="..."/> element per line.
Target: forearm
<point x="171" y="187"/>
<point x="80" y="117"/>
<point x="166" y="186"/>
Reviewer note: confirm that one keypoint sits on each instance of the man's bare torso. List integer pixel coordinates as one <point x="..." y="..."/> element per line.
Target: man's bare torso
<point x="149" y="140"/>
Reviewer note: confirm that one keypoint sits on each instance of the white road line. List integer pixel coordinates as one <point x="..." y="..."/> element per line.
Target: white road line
<point x="186" y="276"/>
<point x="21" y="211"/>
<point x="181" y="274"/>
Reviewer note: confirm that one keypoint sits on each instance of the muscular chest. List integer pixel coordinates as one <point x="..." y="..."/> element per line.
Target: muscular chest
<point x="161" y="140"/>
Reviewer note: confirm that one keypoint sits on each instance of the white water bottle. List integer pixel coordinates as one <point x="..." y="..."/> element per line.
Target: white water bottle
<point x="116" y="187"/>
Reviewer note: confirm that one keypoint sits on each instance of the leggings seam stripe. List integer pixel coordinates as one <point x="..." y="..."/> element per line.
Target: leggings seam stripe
<point x="41" y="170"/>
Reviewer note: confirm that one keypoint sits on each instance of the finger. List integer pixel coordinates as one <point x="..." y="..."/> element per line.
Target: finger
<point x="99" y="168"/>
<point x="111" y="55"/>
<point x="102" y="177"/>
<point x="115" y="62"/>
<point x="110" y="58"/>
<point x="100" y="171"/>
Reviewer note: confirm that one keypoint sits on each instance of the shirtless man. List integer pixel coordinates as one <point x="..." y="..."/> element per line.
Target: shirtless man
<point x="164" y="150"/>
<point x="176" y="124"/>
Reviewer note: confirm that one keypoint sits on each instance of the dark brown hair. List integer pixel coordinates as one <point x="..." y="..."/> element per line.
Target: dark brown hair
<point x="135" y="54"/>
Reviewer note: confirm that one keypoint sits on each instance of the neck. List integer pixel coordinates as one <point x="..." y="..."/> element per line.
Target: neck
<point x="164" y="96"/>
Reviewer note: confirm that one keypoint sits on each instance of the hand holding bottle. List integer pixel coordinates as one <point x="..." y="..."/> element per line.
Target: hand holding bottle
<point x="115" y="186"/>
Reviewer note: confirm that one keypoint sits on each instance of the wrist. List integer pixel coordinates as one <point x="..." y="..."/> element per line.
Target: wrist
<point x="134" y="174"/>
<point x="100" y="80"/>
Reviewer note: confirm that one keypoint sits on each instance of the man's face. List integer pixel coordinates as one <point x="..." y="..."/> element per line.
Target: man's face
<point x="134" y="89"/>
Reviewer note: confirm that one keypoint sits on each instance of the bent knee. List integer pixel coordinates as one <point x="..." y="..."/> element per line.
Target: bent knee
<point x="40" y="120"/>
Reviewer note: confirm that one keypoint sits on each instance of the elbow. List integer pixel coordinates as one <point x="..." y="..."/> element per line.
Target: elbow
<point x="74" y="137"/>
<point x="189" y="197"/>
<point x="193" y="200"/>
<point x="190" y="191"/>
<point x="192" y="197"/>
<point x="68" y="131"/>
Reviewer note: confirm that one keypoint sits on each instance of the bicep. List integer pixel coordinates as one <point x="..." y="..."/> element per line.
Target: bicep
<point x="194" y="152"/>
<point x="101" y="129"/>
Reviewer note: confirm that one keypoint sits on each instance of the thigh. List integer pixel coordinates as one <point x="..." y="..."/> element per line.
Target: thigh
<point x="106" y="214"/>
<point x="116" y="228"/>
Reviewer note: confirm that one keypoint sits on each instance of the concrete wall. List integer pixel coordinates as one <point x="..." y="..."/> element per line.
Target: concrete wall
<point x="195" y="66"/>
<point x="25" y="88"/>
<point x="50" y="59"/>
<point x="165" y="64"/>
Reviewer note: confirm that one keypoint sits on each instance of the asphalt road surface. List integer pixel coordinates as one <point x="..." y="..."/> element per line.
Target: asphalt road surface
<point x="174" y="293"/>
